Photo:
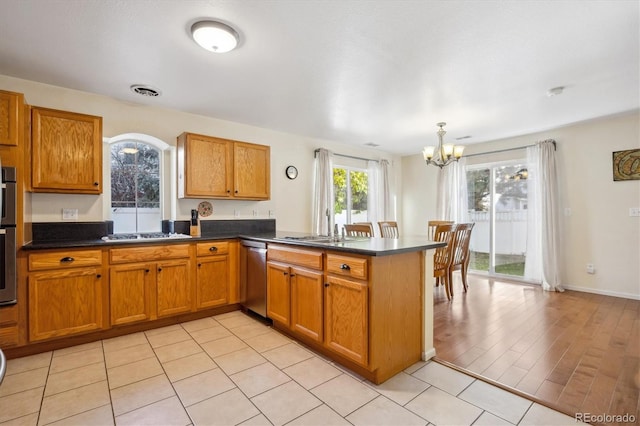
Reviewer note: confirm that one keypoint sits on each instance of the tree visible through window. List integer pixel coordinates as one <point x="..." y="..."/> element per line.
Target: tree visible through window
<point x="350" y="187"/>
<point x="135" y="187"/>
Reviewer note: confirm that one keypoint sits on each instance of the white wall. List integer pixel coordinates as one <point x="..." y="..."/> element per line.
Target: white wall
<point x="599" y="229"/>
<point x="290" y="199"/>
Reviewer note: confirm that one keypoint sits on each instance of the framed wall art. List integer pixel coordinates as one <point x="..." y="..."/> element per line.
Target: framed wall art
<point x="626" y="165"/>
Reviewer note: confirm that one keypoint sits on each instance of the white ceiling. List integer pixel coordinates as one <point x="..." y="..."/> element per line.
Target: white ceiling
<point x="351" y="71"/>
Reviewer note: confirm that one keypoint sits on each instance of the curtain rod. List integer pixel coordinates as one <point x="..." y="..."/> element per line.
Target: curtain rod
<point x="315" y="154"/>
<point x="507" y="149"/>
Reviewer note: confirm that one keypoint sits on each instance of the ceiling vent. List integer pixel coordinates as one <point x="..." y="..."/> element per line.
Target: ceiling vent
<point x="143" y="90"/>
<point x="372" y="144"/>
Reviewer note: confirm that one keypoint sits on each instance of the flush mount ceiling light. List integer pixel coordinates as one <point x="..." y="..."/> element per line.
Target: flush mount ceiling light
<point x="214" y="36"/>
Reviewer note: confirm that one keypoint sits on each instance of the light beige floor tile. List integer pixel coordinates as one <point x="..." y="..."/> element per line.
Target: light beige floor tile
<point x="75" y="360"/>
<point x="168" y="338"/>
<point x="233" y="321"/>
<point x="133" y="372"/>
<point x="401" y="388"/>
<point x="168" y="412"/>
<point x="78" y="377"/>
<point x="259" y="420"/>
<point x="320" y="416"/>
<point x="125" y="341"/>
<point x="223" y="346"/>
<point x="116" y="358"/>
<point x="161" y="330"/>
<point x="101" y="416"/>
<point x="188" y="366"/>
<point x="381" y="411"/>
<point x="202" y="386"/>
<point x="348" y="372"/>
<point x="138" y="394"/>
<point x="415" y="367"/>
<point x="267" y="341"/>
<point x="77" y="348"/>
<point x="28" y="420"/>
<point x="250" y="330"/>
<point x="488" y="419"/>
<point x="444" y="378"/>
<point x="285" y="403"/>
<point x="232" y="314"/>
<point x="284" y="356"/>
<point x="312" y="372"/>
<point x="442" y="408"/>
<point x="208" y="334"/>
<point x="200" y="324"/>
<point x="229" y="408"/>
<point x="177" y="350"/>
<point x="258" y="379"/>
<point x="26" y="363"/>
<point x="20" y="382"/>
<point x="496" y="401"/>
<point x="541" y="415"/>
<point x="239" y="360"/>
<point x="344" y="394"/>
<point x="72" y="402"/>
<point x="20" y="404"/>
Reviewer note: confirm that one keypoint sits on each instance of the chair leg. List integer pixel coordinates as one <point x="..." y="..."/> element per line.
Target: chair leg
<point x="450" y="282"/>
<point x="437" y="281"/>
<point x="463" y="274"/>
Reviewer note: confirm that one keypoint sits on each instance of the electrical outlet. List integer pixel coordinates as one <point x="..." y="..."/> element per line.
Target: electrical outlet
<point x="236" y="213"/>
<point x="255" y="213"/>
<point x="69" y="214"/>
<point x="590" y="268"/>
<point x="634" y="212"/>
<point x="272" y="213"/>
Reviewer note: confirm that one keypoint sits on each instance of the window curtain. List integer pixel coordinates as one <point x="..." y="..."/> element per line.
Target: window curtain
<point x="323" y="200"/>
<point x="452" y="199"/>
<point x="543" y="219"/>
<point x="379" y="205"/>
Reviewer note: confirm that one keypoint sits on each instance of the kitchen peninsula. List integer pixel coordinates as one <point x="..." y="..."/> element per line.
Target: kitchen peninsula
<point x="366" y="303"/>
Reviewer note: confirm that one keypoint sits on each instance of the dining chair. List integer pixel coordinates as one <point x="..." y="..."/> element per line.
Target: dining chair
<point x="432" y="224"/>
<point x="460" y="260"/>
<point x="443" y="256"/>
<point x="354" y="230"/>
<point x="369" y="224"/>
<point x="389" y="229"/>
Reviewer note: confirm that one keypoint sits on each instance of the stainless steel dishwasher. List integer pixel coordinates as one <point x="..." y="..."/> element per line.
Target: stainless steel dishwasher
<point x="253" y="276"/>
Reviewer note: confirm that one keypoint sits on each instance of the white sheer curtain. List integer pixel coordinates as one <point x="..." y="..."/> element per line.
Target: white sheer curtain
<point x="542" y="261"/>
<point x="322" y="220"/>
<point x="452" y="193"/>
<point x="379" y="205"/>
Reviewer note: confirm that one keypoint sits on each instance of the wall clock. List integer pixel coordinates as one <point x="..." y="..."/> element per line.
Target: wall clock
<point x="291" y="172"/>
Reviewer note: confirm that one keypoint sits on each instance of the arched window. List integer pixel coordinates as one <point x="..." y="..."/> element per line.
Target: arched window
<point x="136" y="183"/>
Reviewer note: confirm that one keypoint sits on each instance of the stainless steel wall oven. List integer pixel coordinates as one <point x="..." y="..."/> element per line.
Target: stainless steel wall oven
<point x="8" y="282"/>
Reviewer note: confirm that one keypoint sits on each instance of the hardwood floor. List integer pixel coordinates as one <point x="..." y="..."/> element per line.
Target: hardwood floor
<point x="577" y="352"/>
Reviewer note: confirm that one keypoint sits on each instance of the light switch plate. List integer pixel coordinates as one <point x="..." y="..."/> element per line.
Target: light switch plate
<point x="69" y="214"/>
<point x="634" y="212"/>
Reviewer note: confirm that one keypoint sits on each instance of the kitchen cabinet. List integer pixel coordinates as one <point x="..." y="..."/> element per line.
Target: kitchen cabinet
<point x="213" y="274"/>
<point x="9" y="331"/>
<point x="66" y="152"/>
<point x="295" y="290"/>
<point x="210" y="167"/>
<point x="66" y="293"/>
<point x="11" y="106"/>
<point x="156" y="279"/>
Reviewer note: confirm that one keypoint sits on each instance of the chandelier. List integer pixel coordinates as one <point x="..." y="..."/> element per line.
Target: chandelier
<point x="443" y="154"/>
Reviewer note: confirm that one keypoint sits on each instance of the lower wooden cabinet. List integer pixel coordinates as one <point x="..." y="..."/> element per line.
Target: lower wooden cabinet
<point x="214" y="278"/>
<point x="132" y="293"/>
<point x="174" y="287"/>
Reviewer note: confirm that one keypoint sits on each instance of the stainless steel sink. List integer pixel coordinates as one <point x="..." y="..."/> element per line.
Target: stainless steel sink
<point x="143" y="236"/>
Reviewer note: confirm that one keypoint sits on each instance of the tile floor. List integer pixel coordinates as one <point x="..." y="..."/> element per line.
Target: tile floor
<point x="229" y="370"/>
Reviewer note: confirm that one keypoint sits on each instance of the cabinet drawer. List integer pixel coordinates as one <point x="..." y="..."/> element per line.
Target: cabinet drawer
<point x="8" y="337"/>
<point x="212" y="248"/>
<point x="355" y="267"/>
<point x="64" y="259"/>
<point x="145" y="254"/>
<point x="294" y="256"/>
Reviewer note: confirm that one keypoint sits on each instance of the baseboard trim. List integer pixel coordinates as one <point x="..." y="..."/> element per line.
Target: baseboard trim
<point x="427" y="355"/>
<point x="602" y="292"/>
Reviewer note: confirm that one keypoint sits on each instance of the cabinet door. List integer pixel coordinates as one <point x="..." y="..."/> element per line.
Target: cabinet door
<point x="10" y="108"/>
<point x="212" y="281"/>
<point x="64" y="302"/>
<point x="66" y="152"/>
<point x="346" y="312"/>
<point x="278" y="293"/>
<point x="130" y="289"/>
<point x="174" y="287"/>
<point x="251" y="171"/>
<point x="204" y="166"/>
<point x="306" y="302"/>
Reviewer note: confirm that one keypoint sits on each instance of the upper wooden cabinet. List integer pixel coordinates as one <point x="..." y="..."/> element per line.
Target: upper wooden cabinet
<point x="210" y="167"/>
<point x="66" y="152"/>
<point x="11" y="105"/>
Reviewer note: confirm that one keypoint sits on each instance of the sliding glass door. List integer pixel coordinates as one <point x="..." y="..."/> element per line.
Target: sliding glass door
<point x="498" y="206"/>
